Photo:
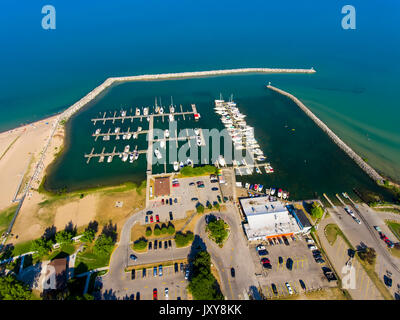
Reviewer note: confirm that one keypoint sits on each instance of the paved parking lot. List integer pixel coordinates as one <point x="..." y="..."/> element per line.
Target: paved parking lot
<point x="184" y="194"/>
<point x="304" y="267"/>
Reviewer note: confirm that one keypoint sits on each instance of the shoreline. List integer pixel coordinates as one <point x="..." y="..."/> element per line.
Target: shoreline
<point x="369" y="170"/>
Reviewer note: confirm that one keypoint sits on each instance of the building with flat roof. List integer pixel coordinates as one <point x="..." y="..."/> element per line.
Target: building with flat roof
<point x="161" y="186"/>
<point x="267" y="219"/>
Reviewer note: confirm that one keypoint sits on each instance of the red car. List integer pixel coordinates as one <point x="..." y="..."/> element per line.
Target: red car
<point x="175" y="184"/>
<point x="265" y="260"/>
<point x="151" y="219"/>
<point x="154" y="294"/>
<point x="162" y="201"/>
<point x="157" y="218"/>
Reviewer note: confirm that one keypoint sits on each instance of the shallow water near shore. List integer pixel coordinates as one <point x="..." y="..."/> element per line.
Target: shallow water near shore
<point x="306" y="162"/>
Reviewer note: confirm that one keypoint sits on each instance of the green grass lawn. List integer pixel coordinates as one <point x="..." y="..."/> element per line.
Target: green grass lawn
<point x="88" y="260"/>
<point x="6" y="217"/>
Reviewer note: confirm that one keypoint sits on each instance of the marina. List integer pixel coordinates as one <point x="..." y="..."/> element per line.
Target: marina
<point x="242" y="136"/>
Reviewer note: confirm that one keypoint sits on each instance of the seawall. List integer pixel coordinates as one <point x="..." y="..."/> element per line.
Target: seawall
<point x="360" y="162"/>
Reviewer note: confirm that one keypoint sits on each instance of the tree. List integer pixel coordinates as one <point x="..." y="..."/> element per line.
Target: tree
<point x="42" y="247"/>
<point x="13" y="289"/>
<point x="202" y="284"/>
<point x="182" y="239"/>
<point x="103" y="245"/>
<point x="63" y="237"/>
<point x="140" y="244"/>
<point x="217" y="230"/>
<point x="88" y="235"/>
<point x="209" y="205"/>
<point x="164" y="229"/>
<point x="316" y="211"/>
<point x="157" y="230"/>
<point x="148" y="232"/>
<point x="368" y="255"/>
<point x="200" y="208"/>
<point x="216" y="206"/>
<point x="171" y="229"/>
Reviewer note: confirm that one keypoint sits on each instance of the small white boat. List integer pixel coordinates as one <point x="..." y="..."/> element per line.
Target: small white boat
<point x="116" y="130"/>
<point x="189" y="162"/>
<point x="166" y="133"/>
<point x="221" y="161"/>
<point x="171" y="109"/>
<point x="134" y="136"/>
<point x="197" y="131"/>
<point x="117" y="137"/>
<point x="161" y="110"/>
<point x="137" y="112"/>
<point x="181" y="165"/>
<point x="162" y="144"/>
<point x="127" y="147"/>
<point x="258" y="170"/>
<point x="139" y="129"/>
<point x="124" y="137"/>
<point x="247" y="185"/>
<point x="128" y="136"/>
<point x="125" y="157"/>
<point x="145" y="111"/>
<point x="148" y="119"/>
<point x="176" y="166"/>
<point x="171" y="118"/>
<point x="131" y="158"/>
<point x="157" y="153"/>
<point x="97" y="131"/>
<point x="198" y="140"/>
<point x="109" y="159"/>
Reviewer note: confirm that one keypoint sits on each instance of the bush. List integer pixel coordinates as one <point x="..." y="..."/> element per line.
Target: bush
<point x="368" y="255"/>
<point x="140" y="244"/>
<point x="217" y="206"/>
<point x="13" y="289"/>
<point x="182" y="239"/>
<point x="163" y="229"/>
<point x="148" y="232"/>
<point x="209" y="205"/>
<point x="200" y="208"/>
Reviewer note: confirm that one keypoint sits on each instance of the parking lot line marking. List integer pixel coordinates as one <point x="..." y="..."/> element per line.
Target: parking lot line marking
<point x="362" y="281"/>
<point x="367" y="289"/>
<point x="146" y="287"/>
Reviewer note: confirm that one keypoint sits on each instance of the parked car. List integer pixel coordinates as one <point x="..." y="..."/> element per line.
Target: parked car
<point x="138" y="295"/>
<point x="166" y="292"/>
<point x="155" y="244"/>
<point x="157" y="218"/>
<point x="214" y="189"/>
<point x="219" y="198"/>
<point x="154" y="294"/>
<point x="270" y="242"/>
<point x="280" y="259"/>
<point x="312" y="247"/>
<point x="280" y="240"/>
<point x="171" y="217"/>
<point x="293" y="237"/>
<point x="319" y="260"/>
<point x="133" y="274"/>
<point x="162" y="201"/>
<point x="187" y="274"/>
<point x="170" y="201"/>
<point x="175" y="200"/>
<point x="181" y="266"/>
<point x="285" y="240"/>
<point x="149" y="212"/>
<point x="233" y="272"/>
<point x="160" y="270"/>
<point x="388" y="281"/>
<point x="191" y="184"/>
<point x="262" y="252"/>
<point x="274" y="289"/>
<point x="308" y="240"/>
<point x="150" y="245"/>
<point x="289" y="264"/>
<point x="289" y="288"/>
<point x="195" y="199"/>
<point x="170" y="243"/>
<point x="151" y="219"/>
<point x="302" y="284"/>
<point x="144" y="272"/>
<point x="165" y="244"/>
<point x="133" y="257"/>
<point x="160" y="244"/>
<point x="166" y="201"/>
<point x="316" y="252"/>
<point x="176" y="267"/>
<point x="155" y="272"/>
<point x="200" y="184"/>
<point x="146" y="219"/>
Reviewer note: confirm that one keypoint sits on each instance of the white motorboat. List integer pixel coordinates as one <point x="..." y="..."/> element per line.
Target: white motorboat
<point x="221" y="161"/>
<point x="176" y="166"/>
<point x="124" y="157"/>
<point x="134" y="136"/>
<point x="137" y="112"/>
<point x="171" y="117"/>
<point x="116" y="130"/>
<point x="166" y="133"/>
<point x="131" y="158"/>
<point x="161" y="110"/>
<point x="198" y="140"/>
<point x="109" y="159"/>
<point x="145" y="111"/>
<point x="197" y="131"/>
<point x="258" y="170"/>
<point x="127" y="147"/>
<point x="139" y="129"/>
<point x="162" y="144"/>
<point x="189" y="162"/>
<point x="157" y="153"/>
<point x="97" y="131"/>
<point x="128" y="136"/>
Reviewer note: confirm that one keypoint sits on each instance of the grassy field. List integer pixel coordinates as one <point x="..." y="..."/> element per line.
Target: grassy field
<point x="5" y="217"/>
<point x="331" y="233"/>
<point x="88" y="260"/>
<point x="326" y="294"/>
<point x="189" y="171"/>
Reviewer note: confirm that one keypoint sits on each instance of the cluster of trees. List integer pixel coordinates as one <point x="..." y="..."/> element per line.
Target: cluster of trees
<point x="200" y="208"/>
<point x="316" y="211"/>
<point x="44" y="244"/>
<point x="13" y="289"/>
<point x="140" y="244"/>
<point x="162" y="230"/>
<point x="203" y="285"/>
<point x="183" y="239"/>
<point x="217" y="230"/>
<point x="368" y="255"/>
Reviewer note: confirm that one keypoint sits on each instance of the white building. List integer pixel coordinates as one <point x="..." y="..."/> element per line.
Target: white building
<point x="267" y="219"/>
